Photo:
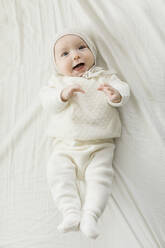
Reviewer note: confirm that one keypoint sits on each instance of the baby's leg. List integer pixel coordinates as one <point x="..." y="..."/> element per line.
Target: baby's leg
<point x="62" y="181"/>
<point x="98" y="179"/>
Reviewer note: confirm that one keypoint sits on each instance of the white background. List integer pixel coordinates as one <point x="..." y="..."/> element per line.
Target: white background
<point x="130" y="36"/>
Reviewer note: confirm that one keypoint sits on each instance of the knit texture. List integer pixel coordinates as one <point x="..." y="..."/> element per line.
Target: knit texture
<point x="86" y="116"/>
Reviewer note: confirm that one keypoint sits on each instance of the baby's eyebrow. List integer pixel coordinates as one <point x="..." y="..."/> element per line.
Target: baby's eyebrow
<point x="81" y="43"/>
<point x="78" y="44"/>
<point x="63" y="49"/>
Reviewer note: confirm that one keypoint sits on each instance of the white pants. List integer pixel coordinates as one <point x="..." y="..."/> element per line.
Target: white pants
<point x="90" y="161"/>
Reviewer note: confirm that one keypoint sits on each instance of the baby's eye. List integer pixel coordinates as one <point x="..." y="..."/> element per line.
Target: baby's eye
<point x="64" y="54"/>
<point x="81" y="47"/>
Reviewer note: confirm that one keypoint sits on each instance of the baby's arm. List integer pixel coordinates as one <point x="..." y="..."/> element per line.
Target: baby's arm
<point x="51" y="100"/>
<point x="68" y="92"/>
<point x="54" y="100"/>
<point x="117" y="91"/>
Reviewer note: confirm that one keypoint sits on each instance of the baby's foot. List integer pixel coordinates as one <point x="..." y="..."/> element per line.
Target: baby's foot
<point x="70" y="223"/>
<point x="88" y="226"/>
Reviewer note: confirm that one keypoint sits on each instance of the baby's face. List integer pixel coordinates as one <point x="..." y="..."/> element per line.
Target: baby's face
<point x="72" y="56"/>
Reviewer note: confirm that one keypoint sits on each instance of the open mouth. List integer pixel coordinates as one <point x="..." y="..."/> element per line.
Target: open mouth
<point x="78" y="66"/>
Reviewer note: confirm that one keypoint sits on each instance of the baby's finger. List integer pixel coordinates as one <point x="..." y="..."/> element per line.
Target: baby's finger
<point x="107" y="85"/>
<point x="81" y="90"/>
<point x="107" y="91"/>
<point x="104" y="84"/>
<point x="78" y="90"/>
<point x="102" y="87"/>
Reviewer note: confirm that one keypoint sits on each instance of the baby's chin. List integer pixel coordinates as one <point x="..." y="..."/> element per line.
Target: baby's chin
<point x="78" y="74"/>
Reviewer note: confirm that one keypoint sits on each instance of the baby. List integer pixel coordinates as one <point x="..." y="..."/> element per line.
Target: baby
<point x="81" y="100"/>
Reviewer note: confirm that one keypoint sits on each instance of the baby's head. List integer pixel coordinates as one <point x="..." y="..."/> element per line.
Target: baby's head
<point x="73" y="54"/>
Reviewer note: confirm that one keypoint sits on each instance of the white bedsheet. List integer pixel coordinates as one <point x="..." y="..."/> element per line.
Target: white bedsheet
<point x="130" y="36"/>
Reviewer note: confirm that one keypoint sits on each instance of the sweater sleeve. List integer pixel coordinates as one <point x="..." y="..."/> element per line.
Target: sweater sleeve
<point x="51" y="100"/>
<point x="123" y="89"/>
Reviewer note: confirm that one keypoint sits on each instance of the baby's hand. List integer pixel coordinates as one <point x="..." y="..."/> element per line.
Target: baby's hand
<point x="68" y="92"/>
<point x="112" y="93"/>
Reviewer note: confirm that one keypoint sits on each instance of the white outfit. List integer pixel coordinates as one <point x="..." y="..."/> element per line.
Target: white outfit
<point x="90" y="161"/>
<point x="86" y="116"/>
<point x="83" y="128"/>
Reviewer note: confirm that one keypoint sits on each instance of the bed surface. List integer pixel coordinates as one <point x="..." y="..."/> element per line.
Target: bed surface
<point x="130" y="36"/>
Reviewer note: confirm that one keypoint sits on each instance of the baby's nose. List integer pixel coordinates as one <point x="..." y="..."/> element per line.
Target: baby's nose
<point x="76" y="57"/>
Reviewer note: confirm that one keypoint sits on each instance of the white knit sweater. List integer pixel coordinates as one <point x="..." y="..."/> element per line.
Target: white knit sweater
<point x="88" y="116"/>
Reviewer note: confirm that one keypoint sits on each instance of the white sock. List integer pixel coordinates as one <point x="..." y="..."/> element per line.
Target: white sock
<point x="70" y="223"/>
<point x="88" y="226"/>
